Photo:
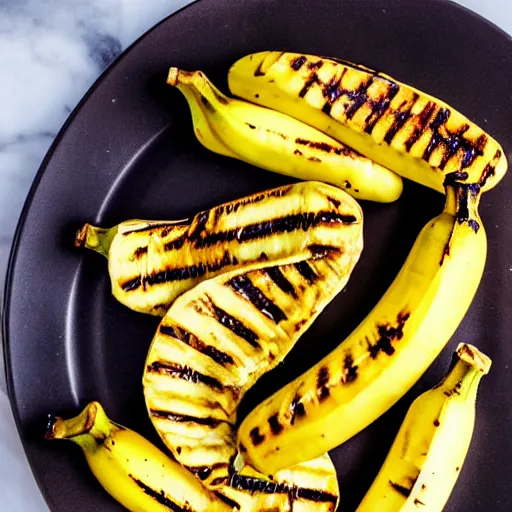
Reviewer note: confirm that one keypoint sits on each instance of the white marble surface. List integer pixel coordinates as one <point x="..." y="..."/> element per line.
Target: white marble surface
<point x="51" y="51"/>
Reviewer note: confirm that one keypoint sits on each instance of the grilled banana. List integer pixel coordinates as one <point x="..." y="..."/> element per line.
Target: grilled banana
<point x="279" y="143"/>
<point x="415" y="135"/>
<point x="131" y="469"/>
<point x="386" y="354"/>
<point x="151" y="262"/>
<point x="213" y="344"/>
<point x="424" y="462"/>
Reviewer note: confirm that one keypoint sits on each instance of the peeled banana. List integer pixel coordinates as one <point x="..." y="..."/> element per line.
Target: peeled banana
<point x="131" y="469"/>
<point x="386" y="354"/>
<point x="427" y="455"/>
<point x="406" y="130"/>
<point x="279" y="143"/>
<point x="213" y="344"/>
<point x="151" y="263"/>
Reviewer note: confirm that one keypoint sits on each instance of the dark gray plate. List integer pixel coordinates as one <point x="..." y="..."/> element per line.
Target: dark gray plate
<point x="128" y="151"/>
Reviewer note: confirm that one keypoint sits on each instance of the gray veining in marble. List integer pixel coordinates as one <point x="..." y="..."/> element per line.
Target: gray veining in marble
<point x="51" y="51"/>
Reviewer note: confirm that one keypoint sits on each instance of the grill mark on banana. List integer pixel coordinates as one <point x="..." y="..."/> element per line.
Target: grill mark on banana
<point x="235" y="325"/>
<point x="277" y="304"/>
<point x="187" y="337"/>
<point x="246" y="289"/>
<point x="179" y="274"/>
<point x="451" y="143"/>
<point x="185" y="373"/>
<point x="306" y="271"/>
<point x="280" y="280"/>
<point x="252" y="484"/>
<point x="182" y="418"/>
<point x="160" y="497"/>
<point x="287" y="224"/>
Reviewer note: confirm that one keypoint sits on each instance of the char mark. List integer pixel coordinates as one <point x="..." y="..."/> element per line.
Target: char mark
<point x="297" y="409"/>
<point x="203" y="472"/>
<point x="322" y="384"/>
<point x="349" y="369"/>
<point x="184" y="373"/>
<point x="298" y="62"/>
<point x="379" y="108"/>
<point x="244" y="287"/>
<point x="305" y="270"/>
<point x="404" y="491"/>
<point x="281" y="281"/>
<point x="228" y="501"/>
<point x="131" y="285"/>
<point x="358" y="98"/>
<point x="176" y="244"/>
<point x="190" y="339"/>
<point x="324" y="146"/>
<point x="321" y="251"/>
<point x="140" y="251"/>
<point x="234" y="325"/>
<point x="401" y="118"/>
<point x="256" y="437"/>
<point x="453" y="142"/>
<point x="388" y="334"/>
<point x="420" y="125"/>
<point x="274" y="424"/>
<point x="161" y="497"/>
<point x="184" y="418"/>
<point x="313" y="78"/>
<point x="258" y="485"/>
<point x="278" y="225"/>
<point x="180" y="273"/>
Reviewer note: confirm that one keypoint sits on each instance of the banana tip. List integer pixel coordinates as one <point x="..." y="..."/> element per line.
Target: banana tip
<point x="49" y="433"/>
<point x="81" y="236"/>
<point x="474" y="357"/>
<point x="172" y="76"/>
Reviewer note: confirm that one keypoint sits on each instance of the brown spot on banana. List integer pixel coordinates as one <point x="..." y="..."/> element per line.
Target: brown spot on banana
<point x="297" y="409"/>
<point x="404" y="491"/>
<point x="349" y="369"/>
<point x="322" y="384"/>
<point x="297" y="63"/>
<point x="256" y="437"/>
<point x="388" y="334"/>
<point x="275" y="425"/>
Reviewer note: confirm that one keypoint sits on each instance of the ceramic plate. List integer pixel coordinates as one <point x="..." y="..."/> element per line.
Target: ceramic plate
<point x="128" y="151"/>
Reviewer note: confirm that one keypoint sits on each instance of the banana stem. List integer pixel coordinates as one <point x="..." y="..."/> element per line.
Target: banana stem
<point x="469" y="365"/>
<point x="89" y="429"/>
<point x="95" y="238"/>
<point x="199" y="85"/>
<point x="462" y="199"/>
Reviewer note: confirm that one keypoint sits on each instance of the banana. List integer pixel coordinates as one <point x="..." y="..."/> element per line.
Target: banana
<point x="151" y="263"/>
<point x="131" y="469"/>
<point x="406" y="130"/>
<point x="386" y="354"/>
<point x="213" y="344"/>
<point x="279" y="143"/>
<point x="427" y="455"/>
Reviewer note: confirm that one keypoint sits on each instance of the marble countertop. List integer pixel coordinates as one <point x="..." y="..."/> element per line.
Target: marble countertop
<point x="51" y="51"/>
